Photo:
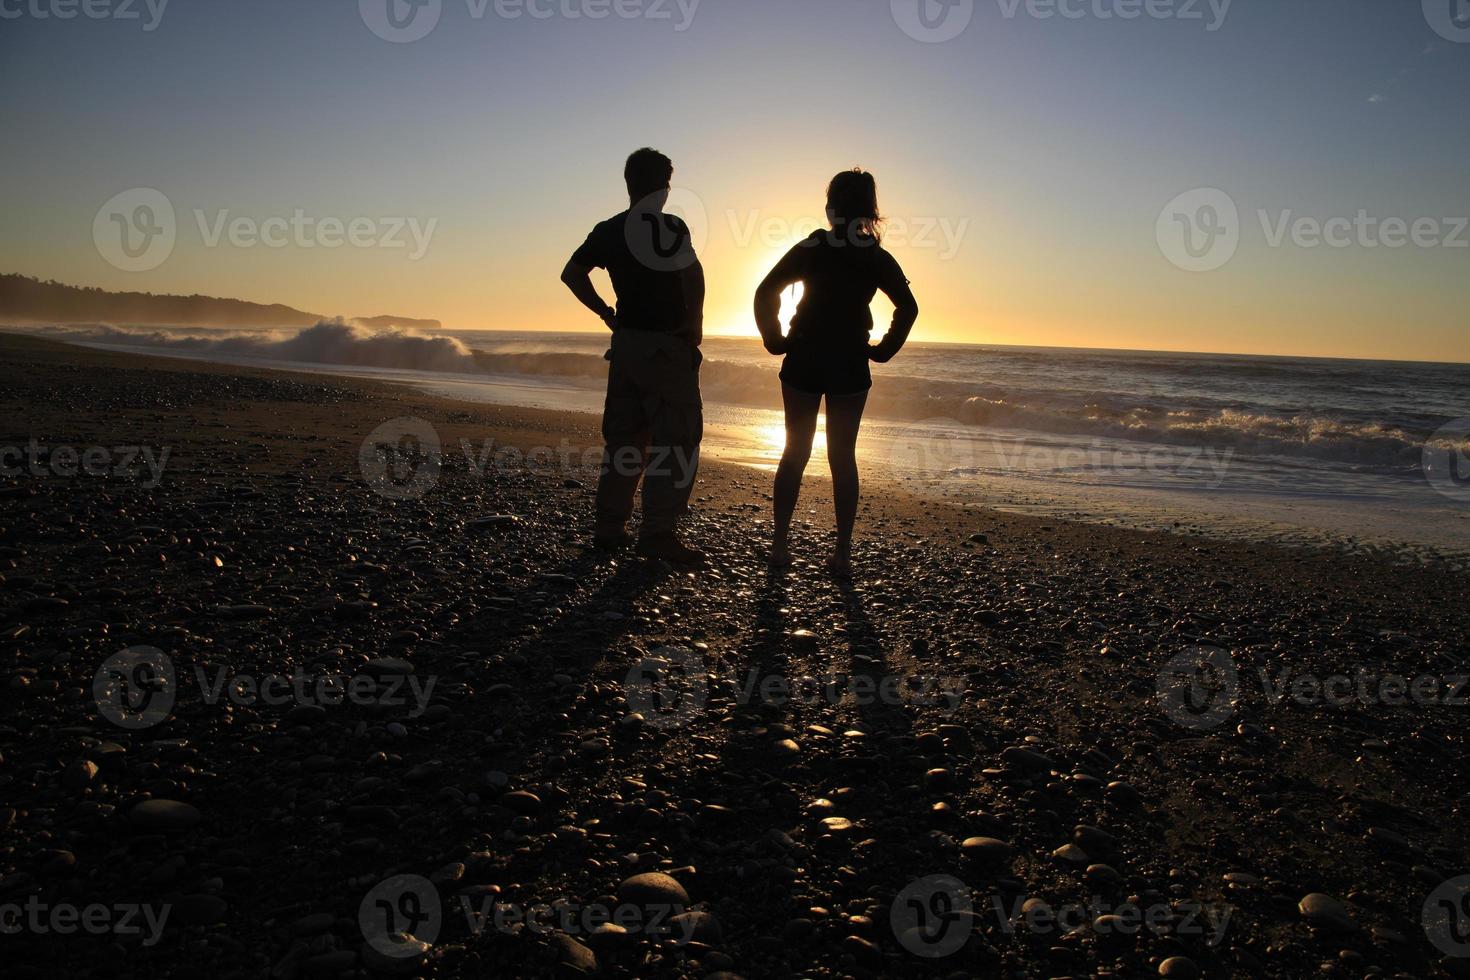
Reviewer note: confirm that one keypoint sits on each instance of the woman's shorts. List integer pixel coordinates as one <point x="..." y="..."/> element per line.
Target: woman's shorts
<point x="824" y="371"/>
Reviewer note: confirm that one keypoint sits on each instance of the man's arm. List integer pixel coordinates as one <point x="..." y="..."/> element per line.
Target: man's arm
<point x="578" y="279"/>
<point x="691" y="280"/>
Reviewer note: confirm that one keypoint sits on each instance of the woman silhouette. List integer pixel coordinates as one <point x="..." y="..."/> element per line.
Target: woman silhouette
<point x="827" y="351"/>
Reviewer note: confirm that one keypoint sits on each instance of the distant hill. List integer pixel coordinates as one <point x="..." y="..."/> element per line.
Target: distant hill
<point x="27" y="300"/>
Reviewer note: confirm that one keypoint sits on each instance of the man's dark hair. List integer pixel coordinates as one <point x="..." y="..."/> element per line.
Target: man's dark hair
<point x="647" y="171"/>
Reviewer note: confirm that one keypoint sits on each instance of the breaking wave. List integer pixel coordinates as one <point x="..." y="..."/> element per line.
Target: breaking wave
<point x="1369" y="444"/>
<point x="327" y="342"/>
<point x="1206" y="406"/>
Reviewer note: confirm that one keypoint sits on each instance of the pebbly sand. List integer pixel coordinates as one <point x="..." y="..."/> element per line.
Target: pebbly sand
<point x="975" y="724"/>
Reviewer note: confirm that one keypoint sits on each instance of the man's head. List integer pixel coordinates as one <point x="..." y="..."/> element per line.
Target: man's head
<point x="648" y="173"/>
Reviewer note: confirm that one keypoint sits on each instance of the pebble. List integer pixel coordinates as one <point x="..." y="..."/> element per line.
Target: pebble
<point x="406" y="959"/>
<point x="1026" y="760"/>
<point x="522" y="801"/>
<point x="986" y="850"/>
<point x="1326" y="912"/>
<point x="164" y="815"/>
<point x="1179" y="968"/>
<point x="698" y="926"/>
<point x="653" y="889"/>
<point x="79" y="774"/>
<point x="571" y="954"/>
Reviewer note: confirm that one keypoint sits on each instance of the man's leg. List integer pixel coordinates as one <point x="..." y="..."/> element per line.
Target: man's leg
<point x="676" y="427"/>
<point x="625" y="436"/>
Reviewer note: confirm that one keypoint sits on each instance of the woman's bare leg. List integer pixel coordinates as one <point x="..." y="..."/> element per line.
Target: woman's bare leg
<point x="801" y="428"/>
<point x="844" y="418"/>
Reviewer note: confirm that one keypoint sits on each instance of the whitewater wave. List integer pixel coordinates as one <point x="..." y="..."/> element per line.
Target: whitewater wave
<point x="328" y="342"/>
<point x="1196" y="420"/>
<point x="1374" y="445"/>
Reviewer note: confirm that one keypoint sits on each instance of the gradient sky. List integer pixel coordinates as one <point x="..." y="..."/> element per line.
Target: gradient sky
<point x="1053" y="144"/>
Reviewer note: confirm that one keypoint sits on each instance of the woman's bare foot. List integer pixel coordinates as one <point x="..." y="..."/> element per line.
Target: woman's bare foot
<point x="839" y="564"/>
<point x="780" y="556"/>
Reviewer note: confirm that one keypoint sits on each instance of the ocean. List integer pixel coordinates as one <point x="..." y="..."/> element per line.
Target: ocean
<point x="1370" y="455"/>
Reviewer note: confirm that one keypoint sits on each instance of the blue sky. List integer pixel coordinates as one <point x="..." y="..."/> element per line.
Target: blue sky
<point x="1055" y="141"/>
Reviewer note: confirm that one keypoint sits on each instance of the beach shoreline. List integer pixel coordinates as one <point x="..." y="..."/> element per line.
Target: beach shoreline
<point x="1215" y="491"/>
<point x="541" y="772"/>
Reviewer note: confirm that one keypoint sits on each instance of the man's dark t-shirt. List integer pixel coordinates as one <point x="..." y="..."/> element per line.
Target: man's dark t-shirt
<point x="644" y="253"/>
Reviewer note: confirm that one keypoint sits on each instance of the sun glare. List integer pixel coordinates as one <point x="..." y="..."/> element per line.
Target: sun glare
<point x="772" y="438"/>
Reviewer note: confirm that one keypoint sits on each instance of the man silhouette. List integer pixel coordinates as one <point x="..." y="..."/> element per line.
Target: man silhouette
<point x="653" y="419"/>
